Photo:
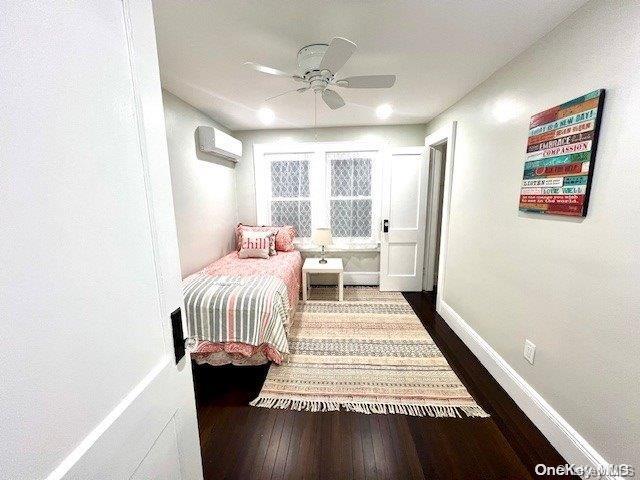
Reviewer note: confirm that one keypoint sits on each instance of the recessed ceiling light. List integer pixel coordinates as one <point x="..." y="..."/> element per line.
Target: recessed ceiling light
<point x="266" y="115"/>
<point x="384" y="111"/>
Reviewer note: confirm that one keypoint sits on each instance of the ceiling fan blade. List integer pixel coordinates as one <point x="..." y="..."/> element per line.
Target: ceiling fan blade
<point x="332" y="99"/>
<point x="339" y="51"/>
<point x="269" y="70"/>
<point x="299" y="90"/>
<point x="368" y="81"/>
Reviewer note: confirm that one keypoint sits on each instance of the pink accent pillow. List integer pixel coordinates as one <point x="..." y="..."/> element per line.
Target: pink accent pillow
<point x="283" y="239"/>
<point x="255" y="244"/>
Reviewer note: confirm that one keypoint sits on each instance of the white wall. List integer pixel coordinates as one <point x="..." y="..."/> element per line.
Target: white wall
<point x="571" y="286"/>
<point x="394" y="135"/>
<point x="204" y="189"/>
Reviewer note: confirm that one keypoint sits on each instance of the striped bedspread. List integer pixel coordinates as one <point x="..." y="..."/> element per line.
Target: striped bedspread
<point x="252" y="310"/>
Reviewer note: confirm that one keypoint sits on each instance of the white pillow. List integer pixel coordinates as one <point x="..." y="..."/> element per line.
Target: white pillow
<point x="255" y="244"/>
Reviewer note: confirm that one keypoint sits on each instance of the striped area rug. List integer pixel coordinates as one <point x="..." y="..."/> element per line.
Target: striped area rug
<point x="368" y="354"/>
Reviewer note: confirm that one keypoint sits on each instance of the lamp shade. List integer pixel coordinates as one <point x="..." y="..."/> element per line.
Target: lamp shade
<point x="321" y="236"/>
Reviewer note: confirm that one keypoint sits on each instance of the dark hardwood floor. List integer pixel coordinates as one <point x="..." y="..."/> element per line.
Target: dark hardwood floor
<point x="243" y="442"/>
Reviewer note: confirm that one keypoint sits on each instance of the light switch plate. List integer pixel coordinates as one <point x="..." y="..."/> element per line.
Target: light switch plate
<point x="529" y="351"/>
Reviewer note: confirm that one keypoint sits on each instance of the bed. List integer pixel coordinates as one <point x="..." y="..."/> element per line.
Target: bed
<point x="239" y="309"/>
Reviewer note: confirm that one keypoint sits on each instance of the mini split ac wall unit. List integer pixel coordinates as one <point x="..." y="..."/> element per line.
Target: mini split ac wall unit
<point x="216" y="142"/>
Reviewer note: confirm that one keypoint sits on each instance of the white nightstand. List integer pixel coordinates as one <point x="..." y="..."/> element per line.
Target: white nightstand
<point x="313" y="265"/>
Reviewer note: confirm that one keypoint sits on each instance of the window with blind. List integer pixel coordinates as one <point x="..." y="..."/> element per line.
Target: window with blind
<point x="319" y="185"/>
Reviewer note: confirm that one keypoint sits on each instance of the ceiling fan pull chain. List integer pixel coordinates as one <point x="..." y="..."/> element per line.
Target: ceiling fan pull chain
<point x="315" y="115"/>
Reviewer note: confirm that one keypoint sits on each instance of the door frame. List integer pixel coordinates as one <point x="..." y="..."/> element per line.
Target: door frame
<point x="434" y="193"/>
<point x="446" y="134"/>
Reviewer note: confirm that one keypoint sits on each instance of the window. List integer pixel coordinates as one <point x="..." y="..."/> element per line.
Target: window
<point x="290" y="192"/>
<point x="350" y="200"/>
<point x="318" y="185"/>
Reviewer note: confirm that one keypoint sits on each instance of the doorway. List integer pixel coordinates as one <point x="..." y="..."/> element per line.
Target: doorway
<point x="435" y="195"/>
<point x="441" y="146"/>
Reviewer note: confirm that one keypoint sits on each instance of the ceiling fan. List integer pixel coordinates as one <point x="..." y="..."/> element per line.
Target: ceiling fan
<point x="317" y="68"/>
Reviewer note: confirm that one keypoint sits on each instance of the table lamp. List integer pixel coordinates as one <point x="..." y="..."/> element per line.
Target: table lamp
<point x="322" y="237"/>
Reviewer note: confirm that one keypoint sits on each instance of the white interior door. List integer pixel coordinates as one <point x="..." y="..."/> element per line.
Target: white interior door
<point x="404" y="188"/>
<point x="90" y="270"/>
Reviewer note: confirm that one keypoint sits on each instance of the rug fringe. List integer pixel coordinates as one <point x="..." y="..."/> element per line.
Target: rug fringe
<point x="371" y="408"/>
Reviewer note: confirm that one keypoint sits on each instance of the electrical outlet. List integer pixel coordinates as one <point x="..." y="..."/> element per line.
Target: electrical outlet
<point x="529" y="351"/>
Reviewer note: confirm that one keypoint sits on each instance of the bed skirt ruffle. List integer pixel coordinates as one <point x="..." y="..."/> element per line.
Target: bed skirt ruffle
<point x="236" y="353"/>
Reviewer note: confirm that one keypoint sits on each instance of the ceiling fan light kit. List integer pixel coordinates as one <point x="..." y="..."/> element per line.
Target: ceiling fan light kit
<point x="317" y="67"/>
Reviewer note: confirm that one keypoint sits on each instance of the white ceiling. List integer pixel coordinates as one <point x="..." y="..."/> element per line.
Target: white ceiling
<point x="439" y="49"/>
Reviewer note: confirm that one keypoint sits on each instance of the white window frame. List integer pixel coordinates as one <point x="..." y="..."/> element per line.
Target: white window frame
<point x="319" y="187"/>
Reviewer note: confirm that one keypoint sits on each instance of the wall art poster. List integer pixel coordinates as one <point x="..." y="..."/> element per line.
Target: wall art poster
<point x="561" y="151"/>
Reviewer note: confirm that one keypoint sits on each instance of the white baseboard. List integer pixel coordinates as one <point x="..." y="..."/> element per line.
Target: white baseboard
<point x="350" y="278"/>
<point x="566" y="440"/>
<point x="361" y="278"/>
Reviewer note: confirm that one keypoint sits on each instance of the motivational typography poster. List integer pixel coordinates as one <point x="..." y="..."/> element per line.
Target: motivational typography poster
<point x="561" y="150"/>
